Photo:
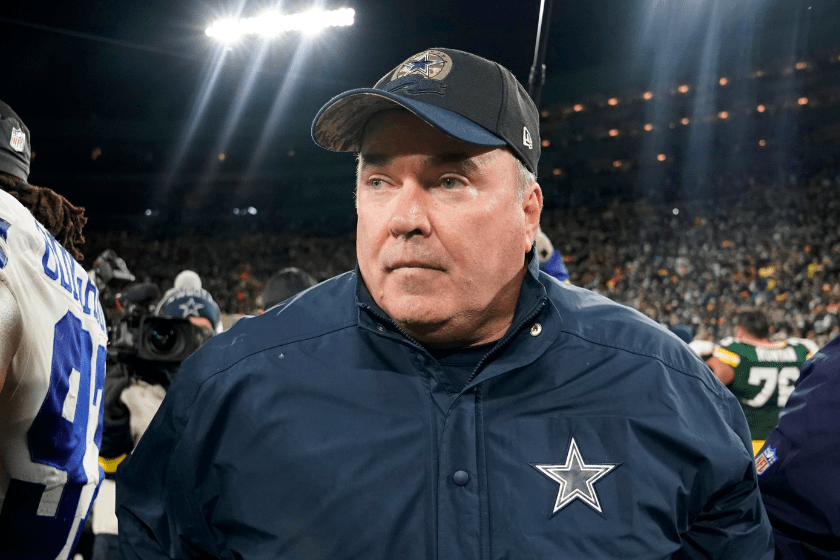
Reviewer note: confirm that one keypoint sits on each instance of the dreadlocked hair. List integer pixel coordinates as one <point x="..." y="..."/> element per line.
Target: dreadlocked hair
<point x="63" y="220"/>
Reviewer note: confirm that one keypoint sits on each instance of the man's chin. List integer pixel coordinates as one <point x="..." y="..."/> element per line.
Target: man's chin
<point x="419" y="313"/>
<point x="414" y="282"/>
<point x="430" y="324"/>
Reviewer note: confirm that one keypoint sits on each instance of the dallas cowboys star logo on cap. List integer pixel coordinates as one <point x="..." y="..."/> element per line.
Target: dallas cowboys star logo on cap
<point x="191" y="308"/>
<point x="576" y="478"/>
<point x="424" y="65"/>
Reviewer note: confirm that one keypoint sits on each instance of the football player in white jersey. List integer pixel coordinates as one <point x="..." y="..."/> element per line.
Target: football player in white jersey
<point x="52" y="363"/>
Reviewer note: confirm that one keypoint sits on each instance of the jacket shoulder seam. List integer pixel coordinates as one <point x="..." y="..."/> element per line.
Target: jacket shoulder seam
<point x="250" y="354"/>
<point x="653" y="355"/>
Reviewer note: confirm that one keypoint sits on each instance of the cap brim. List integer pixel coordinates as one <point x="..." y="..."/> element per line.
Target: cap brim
<point x="339" y="124"/>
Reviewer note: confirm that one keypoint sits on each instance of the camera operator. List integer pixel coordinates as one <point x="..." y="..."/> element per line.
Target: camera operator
<point x="187" y="299"/>
<point x="148" y="340"/>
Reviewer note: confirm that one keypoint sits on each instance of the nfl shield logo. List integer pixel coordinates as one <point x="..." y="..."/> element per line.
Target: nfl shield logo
<point x="18" y="140"/>
<point x="763" y="461"/>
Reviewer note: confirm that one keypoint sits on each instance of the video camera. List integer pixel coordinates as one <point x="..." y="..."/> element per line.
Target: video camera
<point x="136" y="336"/>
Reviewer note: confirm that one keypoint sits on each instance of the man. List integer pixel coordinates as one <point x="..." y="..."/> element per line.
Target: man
<point x="759" y="372"/>
<point x="551" y="261"/>
<point x="52" y="363"/>
<point x="798" y="465"/>
<point x="284" y="284"/>
<point x="135" y="386"/>
<point x="188" y="300"/>
<point x="446" y="399"/>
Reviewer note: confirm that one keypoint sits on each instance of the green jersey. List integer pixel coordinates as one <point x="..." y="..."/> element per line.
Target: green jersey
<point x="764" y="378"/>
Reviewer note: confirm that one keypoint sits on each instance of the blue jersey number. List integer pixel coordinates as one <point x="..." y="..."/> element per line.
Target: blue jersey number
<point x="36" y="521"/>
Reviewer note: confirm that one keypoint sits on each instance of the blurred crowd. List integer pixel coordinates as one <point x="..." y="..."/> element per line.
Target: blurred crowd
<point x="773" y="245"/>
<point x="233" y="270"/>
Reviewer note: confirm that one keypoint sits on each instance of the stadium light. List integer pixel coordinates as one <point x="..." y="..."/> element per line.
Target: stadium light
<point x="273" y="23"/>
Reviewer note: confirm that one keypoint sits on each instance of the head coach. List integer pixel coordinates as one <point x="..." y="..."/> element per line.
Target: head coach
<point x="445" y="400"/>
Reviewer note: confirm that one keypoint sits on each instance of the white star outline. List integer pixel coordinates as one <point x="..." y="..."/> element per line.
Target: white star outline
<point x="573" y="479"/>
<point x="191" y="308"/>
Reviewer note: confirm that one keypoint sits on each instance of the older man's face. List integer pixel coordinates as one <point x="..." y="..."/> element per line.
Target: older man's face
<point x="441" y="233"/>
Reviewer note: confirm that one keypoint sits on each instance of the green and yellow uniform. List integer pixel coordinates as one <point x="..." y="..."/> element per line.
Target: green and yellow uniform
<point x="764" y="378"/>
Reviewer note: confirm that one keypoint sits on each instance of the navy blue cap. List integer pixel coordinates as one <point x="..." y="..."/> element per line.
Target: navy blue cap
<point x="190" y="302"/>
<point x="465" y="96"/>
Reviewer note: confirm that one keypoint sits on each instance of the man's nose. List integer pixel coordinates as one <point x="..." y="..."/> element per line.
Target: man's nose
<point x="410" y="215"/>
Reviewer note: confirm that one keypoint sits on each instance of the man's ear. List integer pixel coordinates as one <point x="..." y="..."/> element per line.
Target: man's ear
<point x="532" y="203"/>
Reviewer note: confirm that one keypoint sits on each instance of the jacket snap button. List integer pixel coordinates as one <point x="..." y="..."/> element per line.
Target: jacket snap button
<point x="536" y="329"/>
<point x="380" y="328"/>
<point x="460" y="478"/>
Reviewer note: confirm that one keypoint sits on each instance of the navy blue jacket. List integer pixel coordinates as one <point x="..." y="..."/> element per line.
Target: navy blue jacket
<point x="800" y="463"/>
<point x="319" y="430"/>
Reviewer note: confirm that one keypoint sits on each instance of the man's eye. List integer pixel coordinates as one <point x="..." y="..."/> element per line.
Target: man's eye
<point x="450" y="183"/>
<point x="376" y="183"/>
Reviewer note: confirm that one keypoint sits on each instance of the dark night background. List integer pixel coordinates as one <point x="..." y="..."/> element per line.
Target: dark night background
<point x="112" y="91"/>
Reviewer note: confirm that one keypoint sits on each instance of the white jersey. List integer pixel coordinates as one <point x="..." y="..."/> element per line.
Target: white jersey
<point x="51" y="402"/>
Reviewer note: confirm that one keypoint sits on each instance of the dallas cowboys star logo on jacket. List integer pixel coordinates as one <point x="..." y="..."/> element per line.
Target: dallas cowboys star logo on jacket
<point x="576" y="478"/>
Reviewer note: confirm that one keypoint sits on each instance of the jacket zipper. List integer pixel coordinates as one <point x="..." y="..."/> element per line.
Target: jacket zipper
<point x="507" y="339"/>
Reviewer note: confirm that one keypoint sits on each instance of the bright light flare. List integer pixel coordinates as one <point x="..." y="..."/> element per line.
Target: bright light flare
<point x="273" y="23"/>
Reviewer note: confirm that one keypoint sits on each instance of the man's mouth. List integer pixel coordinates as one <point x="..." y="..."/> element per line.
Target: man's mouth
<point x="412" y="264"/>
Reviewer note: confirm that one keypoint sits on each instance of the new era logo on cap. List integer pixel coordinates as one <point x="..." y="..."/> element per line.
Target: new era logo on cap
<point x="526" y="138"/>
